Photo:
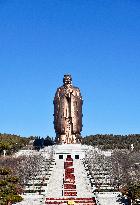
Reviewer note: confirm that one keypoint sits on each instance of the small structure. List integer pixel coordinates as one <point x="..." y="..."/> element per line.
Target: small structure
<point x="132" y="147"/>
<point x="68" y="112"/>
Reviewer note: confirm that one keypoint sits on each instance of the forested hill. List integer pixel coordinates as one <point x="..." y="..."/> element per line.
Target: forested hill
<point x="113" y="141"/>
<point x="12" y="143"/>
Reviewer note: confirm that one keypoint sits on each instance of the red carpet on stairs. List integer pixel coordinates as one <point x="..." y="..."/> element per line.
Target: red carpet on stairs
<point x="69" y="188"/>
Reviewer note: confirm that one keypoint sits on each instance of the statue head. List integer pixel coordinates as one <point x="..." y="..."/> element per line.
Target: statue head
<point x="67" y="80"/>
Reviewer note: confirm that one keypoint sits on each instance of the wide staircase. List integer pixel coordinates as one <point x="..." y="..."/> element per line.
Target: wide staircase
<point x="64" y="179"/>
<point x="69" y="184"/>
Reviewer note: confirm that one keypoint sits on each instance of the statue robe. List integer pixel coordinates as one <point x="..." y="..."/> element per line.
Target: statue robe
<point x="68" y="111"/>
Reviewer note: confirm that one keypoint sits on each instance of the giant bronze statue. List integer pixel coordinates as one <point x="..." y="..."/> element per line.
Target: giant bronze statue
<point x="68" y="112"/>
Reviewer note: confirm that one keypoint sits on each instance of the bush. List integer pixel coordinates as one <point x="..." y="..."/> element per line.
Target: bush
<point x="13" y="198"/>
<point x="9" y="187"/>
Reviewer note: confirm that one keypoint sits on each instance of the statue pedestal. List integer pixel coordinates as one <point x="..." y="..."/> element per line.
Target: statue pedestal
<point x="64" y="139"/>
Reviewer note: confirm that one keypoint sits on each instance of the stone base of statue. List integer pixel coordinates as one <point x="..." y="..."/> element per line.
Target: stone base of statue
<point x="72" y="139"/>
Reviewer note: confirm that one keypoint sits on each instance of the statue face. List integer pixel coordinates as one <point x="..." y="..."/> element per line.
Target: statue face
<point x="67" y="80"/>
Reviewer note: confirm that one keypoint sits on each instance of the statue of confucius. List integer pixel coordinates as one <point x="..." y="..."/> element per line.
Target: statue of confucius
<point x="68" y="112"/>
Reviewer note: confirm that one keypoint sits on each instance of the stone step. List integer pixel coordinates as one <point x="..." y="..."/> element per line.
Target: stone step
<point x="83" y="201"/>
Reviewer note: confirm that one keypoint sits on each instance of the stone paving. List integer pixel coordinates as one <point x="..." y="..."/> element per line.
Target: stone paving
<point x="54" y="188"/>
<point x="82" y="182"/>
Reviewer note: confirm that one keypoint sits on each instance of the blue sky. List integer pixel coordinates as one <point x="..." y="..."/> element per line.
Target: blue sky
<point x="96" y="41"/>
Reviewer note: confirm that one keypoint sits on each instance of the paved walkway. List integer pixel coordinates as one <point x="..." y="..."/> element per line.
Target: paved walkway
<point x="82" y="182"/>
<point x="54" y="188"/>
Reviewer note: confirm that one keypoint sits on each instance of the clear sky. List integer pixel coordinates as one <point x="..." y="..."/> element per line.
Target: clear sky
<point x="96" y="41"/>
